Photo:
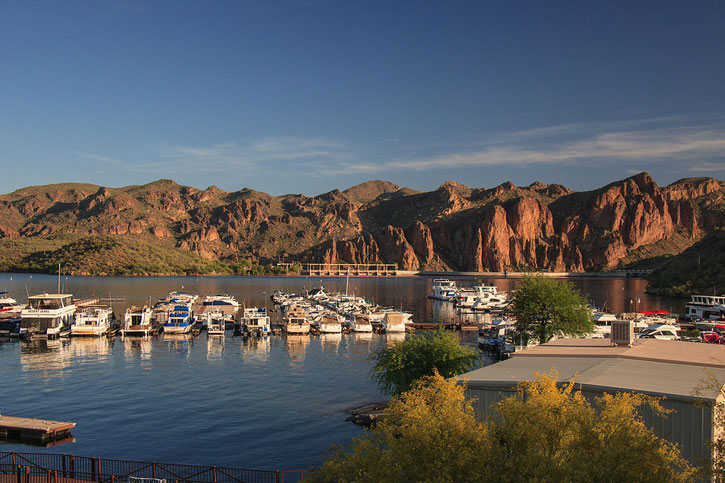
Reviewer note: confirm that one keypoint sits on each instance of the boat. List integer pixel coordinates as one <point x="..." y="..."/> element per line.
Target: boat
<point x="602" y="324"/>
<point x="496" y="336"/>
<point x="443" y="289"/>
<point x="180" y="320"/>
<point x="361" y="324"/>
<point x="47" y="315"/>
<point x="10" y="327"/>
<point x="92" y="321"/>
<point x="394" y="322"/>
<point x="9" y="307"/>
<point x="317" y="294"/>
<point x="659" y="331"/>
<point x="490" y="299"/>
<point x="223" y="300"/>
<point x="137" y="321"/>
<point x="705" y="307"/>
<point x="215" y="323"/>
<point x="295" y="322"/>
<point x="255" y="322"/>
<point x="329" y="323"/>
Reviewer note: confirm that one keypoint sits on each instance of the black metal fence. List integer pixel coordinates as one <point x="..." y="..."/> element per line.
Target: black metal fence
<point x="56" y="468"/>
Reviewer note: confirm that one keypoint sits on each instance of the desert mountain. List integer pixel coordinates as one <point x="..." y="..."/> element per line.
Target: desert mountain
<point x="453" y="227"/>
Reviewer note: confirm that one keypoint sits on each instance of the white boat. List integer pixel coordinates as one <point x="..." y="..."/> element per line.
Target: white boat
<point x="47" y="315"/>
<point x="255" y="322"/>
<point x="329" y="324"/>
<point x="361" y="324"/>
<point x="394" y="322"/>
<point x="489" y="299"/>
<point x="180" y="320"/>
<point x="659" y="331"/>
<point x="215" y="323"/>
<point x="137" y="321"/>
<point x="705" y="307"/>
<point x="222" y="300"/>
<point x="495" y="336"/>
<point x="443" y="289"/>
<point x="92" y="321"/>
<point x="295" y="322"/>
<point x="602" y="324"/>
<point x="9" y="307"/>
<point x="317" y="294"/>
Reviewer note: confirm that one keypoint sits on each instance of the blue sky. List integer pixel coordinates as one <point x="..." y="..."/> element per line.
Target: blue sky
<point x="306" y="96"/>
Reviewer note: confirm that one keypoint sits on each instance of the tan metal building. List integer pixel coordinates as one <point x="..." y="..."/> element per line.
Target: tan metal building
<point x="688" y="375"/>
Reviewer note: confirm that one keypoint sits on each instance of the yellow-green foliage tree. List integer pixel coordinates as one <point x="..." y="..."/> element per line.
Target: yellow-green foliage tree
<point x="542" y="433"/>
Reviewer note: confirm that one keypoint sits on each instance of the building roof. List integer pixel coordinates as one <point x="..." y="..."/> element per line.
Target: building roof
<point x="680" y="370"/>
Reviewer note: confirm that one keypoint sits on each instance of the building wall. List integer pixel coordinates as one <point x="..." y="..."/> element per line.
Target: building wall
<point x="690" y="424"/>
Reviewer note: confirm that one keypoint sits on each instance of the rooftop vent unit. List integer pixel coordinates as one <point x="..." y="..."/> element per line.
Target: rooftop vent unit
<point x="622" y="332"/>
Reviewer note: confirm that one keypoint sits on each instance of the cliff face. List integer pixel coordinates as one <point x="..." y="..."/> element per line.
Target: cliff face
<point x="454" y="227"/>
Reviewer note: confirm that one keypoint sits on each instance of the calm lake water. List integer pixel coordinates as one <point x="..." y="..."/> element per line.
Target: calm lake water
<point x="270" y="404"/>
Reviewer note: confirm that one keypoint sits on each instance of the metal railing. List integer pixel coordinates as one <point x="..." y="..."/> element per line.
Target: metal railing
<point x="58" y="468"/>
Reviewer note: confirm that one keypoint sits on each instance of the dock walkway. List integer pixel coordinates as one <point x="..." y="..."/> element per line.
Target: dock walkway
<point x="34" y="430"/>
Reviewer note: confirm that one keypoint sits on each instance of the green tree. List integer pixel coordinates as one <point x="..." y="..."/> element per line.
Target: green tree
<point x="396" y="367"/>
<point x="542" y="433"/>
<point x="545" y="307"/>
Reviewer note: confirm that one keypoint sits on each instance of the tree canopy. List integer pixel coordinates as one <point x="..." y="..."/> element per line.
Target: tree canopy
<point x="545" y="307"/>
<point x="396" y="367"/>
<point x="542" y="433"/>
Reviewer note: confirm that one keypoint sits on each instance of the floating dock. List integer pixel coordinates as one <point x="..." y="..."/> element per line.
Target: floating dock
<point x="34" y="431"/>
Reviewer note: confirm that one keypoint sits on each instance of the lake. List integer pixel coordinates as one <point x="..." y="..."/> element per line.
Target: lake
<point x="276" y="403"/>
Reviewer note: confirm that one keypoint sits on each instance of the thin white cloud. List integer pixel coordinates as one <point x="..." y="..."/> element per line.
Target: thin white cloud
<point x="645" y="143"/>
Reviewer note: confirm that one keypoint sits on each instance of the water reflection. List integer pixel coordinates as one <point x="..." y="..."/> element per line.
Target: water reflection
<point x="91" y="346"/>
<point x="46" y="357"/>
<point x="215" y="346"/>
<point x="256" y="349"/>
<point x="296" y="346"/>
<point x="330" y="342"/>
<point x="394" y="337"/>
<point x="138" y="346"/>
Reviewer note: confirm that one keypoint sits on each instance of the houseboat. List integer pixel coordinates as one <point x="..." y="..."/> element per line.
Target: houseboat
<point x="180" y="320"/>
<point x="215" y="323"/>
<point x="47" y="315"/>
<point x="443" y="289"/>
<point x="92" y="321"/>
<point x="137" y="321"/>
<point x="255" y="322"/>
<point x="705" y="307"/>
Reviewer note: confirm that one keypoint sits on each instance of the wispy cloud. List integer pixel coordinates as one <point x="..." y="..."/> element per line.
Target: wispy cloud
<point x="647" y="142"/>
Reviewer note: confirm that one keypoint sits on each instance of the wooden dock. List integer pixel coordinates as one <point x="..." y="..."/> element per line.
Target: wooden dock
<point x="38" y="431"/>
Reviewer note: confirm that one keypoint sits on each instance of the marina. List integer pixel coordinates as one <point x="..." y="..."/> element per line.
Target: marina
<point x="139" y="388"/>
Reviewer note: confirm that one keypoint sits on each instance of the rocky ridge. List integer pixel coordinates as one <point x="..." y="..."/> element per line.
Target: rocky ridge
<point x="454" y="227"/>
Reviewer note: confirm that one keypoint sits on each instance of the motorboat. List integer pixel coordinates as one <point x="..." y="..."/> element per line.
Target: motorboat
<point x="222" y="300"/>
<point x="496" y="336"/>
<point x="329" y="323"/>
<point x="215" y="323"/>
<point x="47" y="315"/>
<point x="137" y="321"/>
<point x="361" y="324"/>
<point x="9" y="307"/>
<point x="659" y="331"/>
<point x="443" y="289"/>
<point x="394" y="322"/>
<point x="92" y="321"/>
<point x="295" y="322"/>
